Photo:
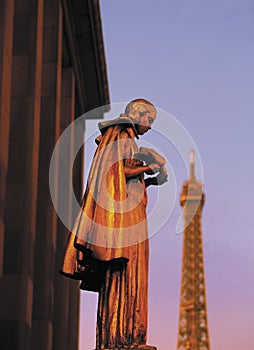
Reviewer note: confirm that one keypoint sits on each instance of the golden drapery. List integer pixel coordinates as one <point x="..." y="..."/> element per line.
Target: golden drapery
<point x="112" y="224"/>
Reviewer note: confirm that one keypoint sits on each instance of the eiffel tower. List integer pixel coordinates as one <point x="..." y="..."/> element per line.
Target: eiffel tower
<point x="193" y="328"/>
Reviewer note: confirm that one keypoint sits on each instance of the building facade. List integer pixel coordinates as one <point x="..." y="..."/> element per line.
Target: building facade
<point x="52" y="70"/>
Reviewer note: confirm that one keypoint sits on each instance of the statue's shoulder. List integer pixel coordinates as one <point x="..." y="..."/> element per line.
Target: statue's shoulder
<point x="127" y="133"/>
<point x="122" y="123"/>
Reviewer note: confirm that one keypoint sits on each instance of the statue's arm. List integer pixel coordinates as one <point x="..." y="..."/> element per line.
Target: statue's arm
<point x="138" y="170"/>
<point x="134" y="167"/>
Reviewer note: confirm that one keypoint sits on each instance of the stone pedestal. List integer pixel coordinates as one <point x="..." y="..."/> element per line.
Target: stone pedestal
<point x="141" y="347"/>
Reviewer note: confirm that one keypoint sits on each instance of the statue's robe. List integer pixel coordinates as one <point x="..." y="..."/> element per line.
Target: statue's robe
<point x="112" y="224"/>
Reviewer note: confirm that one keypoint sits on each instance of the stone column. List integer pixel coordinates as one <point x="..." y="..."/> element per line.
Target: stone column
<point x="64" y="287"/>
<point x="21" y="181"/>
<point x="6" y="41"/>
<point x="46" y="225"/>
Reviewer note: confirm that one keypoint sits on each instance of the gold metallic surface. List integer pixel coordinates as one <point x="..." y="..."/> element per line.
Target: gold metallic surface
<point x="116" y="229"/>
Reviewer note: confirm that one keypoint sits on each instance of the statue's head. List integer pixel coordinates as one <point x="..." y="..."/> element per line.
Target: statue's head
<point x="143" y="114"/>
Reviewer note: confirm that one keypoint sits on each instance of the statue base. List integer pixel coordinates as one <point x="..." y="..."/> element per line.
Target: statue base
<point x="140" y="347"/>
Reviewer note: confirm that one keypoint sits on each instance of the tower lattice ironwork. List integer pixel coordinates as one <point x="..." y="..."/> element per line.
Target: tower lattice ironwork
<point x="193" y="327"/>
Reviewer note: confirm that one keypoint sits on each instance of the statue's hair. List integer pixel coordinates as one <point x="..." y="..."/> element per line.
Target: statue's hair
<point x="137" y="100"/>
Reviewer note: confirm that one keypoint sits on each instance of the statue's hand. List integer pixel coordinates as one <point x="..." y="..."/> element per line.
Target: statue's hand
<point x="153" y="169"/>
<point x="161" y="178"/>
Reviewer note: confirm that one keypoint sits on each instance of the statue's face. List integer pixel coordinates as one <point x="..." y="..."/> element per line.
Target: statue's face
<point x="146" y="121"/>
<point x="143" y="116"/>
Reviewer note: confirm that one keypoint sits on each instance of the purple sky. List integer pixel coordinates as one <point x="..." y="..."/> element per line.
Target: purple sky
<point x="193" y="59"/>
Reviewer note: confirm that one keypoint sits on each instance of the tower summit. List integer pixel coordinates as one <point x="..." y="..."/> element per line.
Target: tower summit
<point x="193" y="328"/>
<point x="192" y="166"/>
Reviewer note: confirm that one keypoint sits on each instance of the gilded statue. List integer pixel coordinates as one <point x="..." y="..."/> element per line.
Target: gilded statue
<point x="108" y="248"/>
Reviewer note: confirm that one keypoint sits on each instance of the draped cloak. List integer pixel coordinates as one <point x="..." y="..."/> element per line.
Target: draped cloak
<point x="112" y="224"/>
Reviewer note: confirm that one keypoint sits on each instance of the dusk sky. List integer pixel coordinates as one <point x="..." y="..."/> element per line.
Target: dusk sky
<point x="194" y="60"/>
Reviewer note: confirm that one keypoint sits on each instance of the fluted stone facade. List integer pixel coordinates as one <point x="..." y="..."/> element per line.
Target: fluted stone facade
<point x="52" y="70"/>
